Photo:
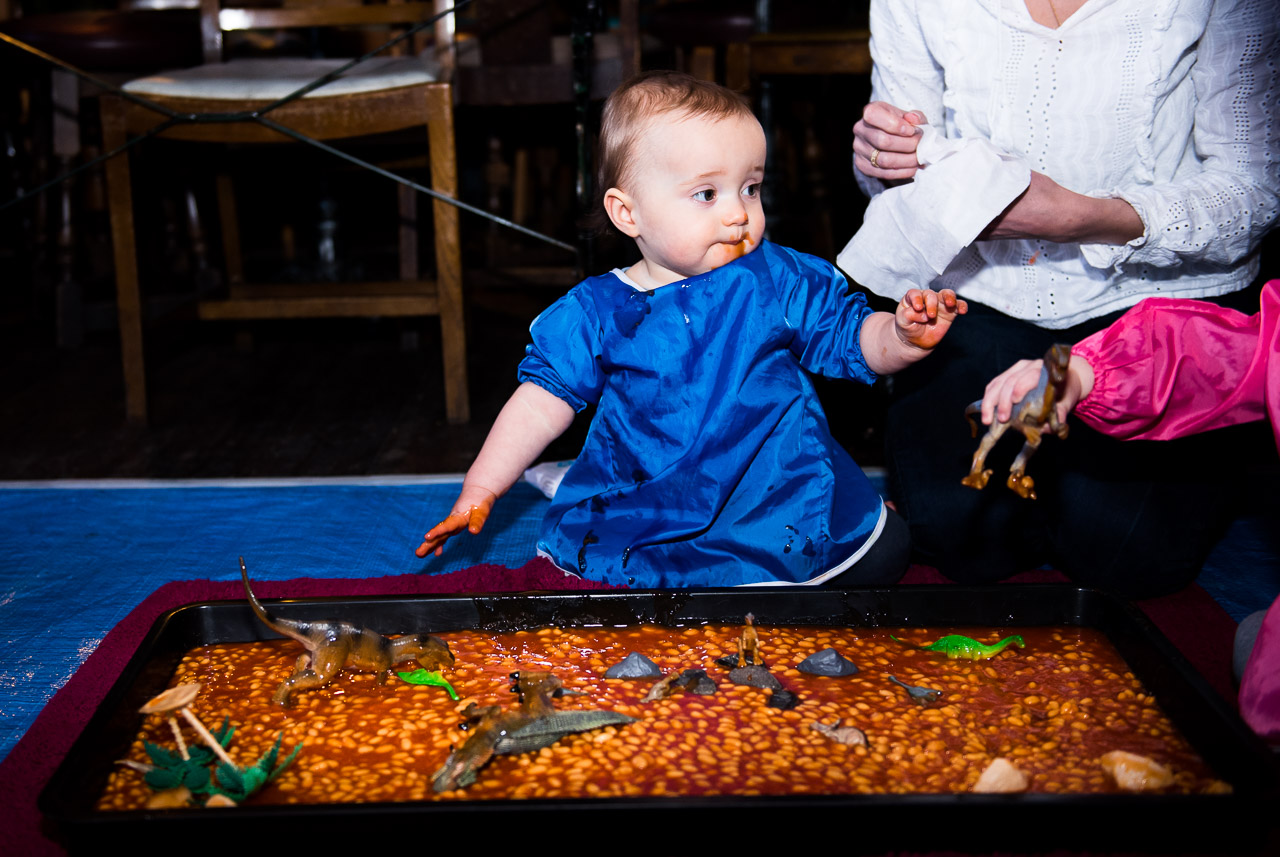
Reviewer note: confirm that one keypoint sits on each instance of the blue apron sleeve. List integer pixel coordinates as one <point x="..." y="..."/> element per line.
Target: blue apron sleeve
<point x="825" y="318"/>
<point x="565" y="355"/>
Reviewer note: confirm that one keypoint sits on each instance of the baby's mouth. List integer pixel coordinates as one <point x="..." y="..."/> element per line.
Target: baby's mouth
<point x="739" y="248"/>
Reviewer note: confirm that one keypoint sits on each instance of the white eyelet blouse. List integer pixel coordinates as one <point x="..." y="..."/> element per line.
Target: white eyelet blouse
<point x="1167" y="104"/>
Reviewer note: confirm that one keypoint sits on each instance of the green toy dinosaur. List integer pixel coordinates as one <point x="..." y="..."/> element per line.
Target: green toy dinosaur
<point x="959" y="646"/>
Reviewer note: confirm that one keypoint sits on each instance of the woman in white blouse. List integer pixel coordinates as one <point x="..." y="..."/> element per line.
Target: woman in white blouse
<point x="1153" y="134"/>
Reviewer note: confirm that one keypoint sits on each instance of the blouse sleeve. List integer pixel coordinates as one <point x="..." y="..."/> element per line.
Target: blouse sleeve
<point x="1171" y="367"/>
<point x="825" y="319"/>
<point x="565" y="355"/>
<point x="904" y="72"/>
<point x="1218" y="213"/>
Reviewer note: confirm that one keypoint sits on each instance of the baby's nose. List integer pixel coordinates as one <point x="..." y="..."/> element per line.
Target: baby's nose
<point x="736" y="214"/>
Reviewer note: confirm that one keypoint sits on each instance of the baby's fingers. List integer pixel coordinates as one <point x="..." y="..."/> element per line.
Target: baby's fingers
<point x="924" y="304"/>
<point x="951" y="303"/>
<point x="433" y="541"/>
<point x="479" y="514"/>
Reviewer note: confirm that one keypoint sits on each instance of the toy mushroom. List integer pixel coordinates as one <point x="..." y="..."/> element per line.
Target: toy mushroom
<point x="176" y="700"/>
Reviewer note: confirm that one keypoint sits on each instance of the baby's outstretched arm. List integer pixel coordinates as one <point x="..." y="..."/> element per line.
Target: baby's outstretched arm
<point x="892" y="342"/>
<point x="530" y="420"/>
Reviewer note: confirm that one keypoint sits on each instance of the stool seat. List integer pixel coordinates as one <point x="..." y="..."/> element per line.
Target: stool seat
<point x="265" y="79"/>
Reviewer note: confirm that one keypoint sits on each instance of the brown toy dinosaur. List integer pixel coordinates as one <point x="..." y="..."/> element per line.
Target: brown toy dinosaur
<point x="749" y="644"/>
<point x="1035" y="409"/>
<point x="332" y="645"/>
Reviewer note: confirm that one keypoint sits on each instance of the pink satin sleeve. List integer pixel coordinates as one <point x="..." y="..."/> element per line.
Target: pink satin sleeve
<point x="1172" y="367"/>
<point x="1260" y="684"/>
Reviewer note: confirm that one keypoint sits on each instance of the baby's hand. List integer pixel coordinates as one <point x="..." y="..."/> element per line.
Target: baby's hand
<point x="470" y="511"/>
<point x="924" y="316"/>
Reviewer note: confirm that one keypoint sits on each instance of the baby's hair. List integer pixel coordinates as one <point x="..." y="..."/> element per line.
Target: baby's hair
<point x="639" y="100"/>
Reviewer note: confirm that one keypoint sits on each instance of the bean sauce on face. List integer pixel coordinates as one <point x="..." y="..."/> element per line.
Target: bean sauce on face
<point x="1052" y="709"/>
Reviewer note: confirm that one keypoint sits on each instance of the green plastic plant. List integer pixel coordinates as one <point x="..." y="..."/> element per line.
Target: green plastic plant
<point x="188" y="766"/>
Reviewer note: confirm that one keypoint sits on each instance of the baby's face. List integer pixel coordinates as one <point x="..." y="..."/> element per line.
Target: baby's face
<point x="696" y="196"/>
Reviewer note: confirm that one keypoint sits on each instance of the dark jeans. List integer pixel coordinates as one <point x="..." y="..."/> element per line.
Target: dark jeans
<point x="1135" y="517"/>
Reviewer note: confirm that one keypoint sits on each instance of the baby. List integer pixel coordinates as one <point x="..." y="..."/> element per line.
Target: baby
<point x="709" y="461"/>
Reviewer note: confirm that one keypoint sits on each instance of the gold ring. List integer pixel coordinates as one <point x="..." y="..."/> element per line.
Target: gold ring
<point x="875" y="155"/>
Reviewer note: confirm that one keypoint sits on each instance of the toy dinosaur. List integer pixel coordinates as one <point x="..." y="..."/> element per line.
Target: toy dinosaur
<point x="958" y="646"/>
<point x="749" y="644"/>
<point x="532" y="726"/>
<point x="918" y="695"/>
<point x="332" y="645"/>
<point x="841" y="734"/>
<point x="1029" y="415"/>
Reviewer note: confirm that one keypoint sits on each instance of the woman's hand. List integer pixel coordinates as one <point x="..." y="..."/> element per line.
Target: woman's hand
<point x="1009" y="387"/>
<point x="885" y="140"/>
<point x="470" y="511"/>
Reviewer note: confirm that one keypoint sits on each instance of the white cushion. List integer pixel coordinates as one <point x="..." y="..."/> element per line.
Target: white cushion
<point x="260" y="79"/>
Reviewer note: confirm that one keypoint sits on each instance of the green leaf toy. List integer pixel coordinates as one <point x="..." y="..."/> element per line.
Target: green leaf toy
<point x="429" y="677"/>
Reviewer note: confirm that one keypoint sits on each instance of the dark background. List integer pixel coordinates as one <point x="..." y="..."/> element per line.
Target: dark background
<point x="339" y="397"/>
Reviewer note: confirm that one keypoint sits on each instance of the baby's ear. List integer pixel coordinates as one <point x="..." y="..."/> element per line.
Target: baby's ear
<point x="620" y="208"/>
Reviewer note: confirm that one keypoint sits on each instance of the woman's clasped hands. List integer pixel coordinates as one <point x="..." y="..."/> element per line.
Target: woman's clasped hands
<point x="885" y="141"/>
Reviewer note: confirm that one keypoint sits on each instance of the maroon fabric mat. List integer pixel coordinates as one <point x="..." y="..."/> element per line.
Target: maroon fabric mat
<point x="1191" y="619"/>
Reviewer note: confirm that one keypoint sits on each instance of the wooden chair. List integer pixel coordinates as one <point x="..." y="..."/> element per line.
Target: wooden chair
<point x="381" y="95"/>
<point x="810" y="52"/>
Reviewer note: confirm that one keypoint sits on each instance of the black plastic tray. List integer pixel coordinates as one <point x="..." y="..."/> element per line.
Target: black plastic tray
<point x="1240" y="821"/>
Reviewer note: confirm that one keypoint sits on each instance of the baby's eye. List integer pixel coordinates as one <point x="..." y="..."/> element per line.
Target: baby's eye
<point x="707" y="195"/>
<point x="751" y="190"/>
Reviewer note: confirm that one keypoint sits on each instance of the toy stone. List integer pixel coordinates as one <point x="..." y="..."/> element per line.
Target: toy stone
<point x="634" y="665"/>
<point x="827" y="662"/>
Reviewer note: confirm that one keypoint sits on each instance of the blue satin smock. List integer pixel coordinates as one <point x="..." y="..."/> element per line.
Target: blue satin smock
<point x="709" y="461"/>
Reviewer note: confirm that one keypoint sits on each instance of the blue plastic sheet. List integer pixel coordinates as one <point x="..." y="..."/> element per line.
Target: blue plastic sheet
<point x="75" y="558"/>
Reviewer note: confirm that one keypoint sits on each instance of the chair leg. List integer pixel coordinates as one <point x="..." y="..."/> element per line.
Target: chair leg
<point x="737" y="66"/>
<point x="444" y="178"/>
<point x="409" y="268"/>
<point x="128" y="296"/>
<point x="702" y="63"/>
<point x="69" y="293"/>
<point x="521" y="192"/>
<point x="230" y="227"/>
